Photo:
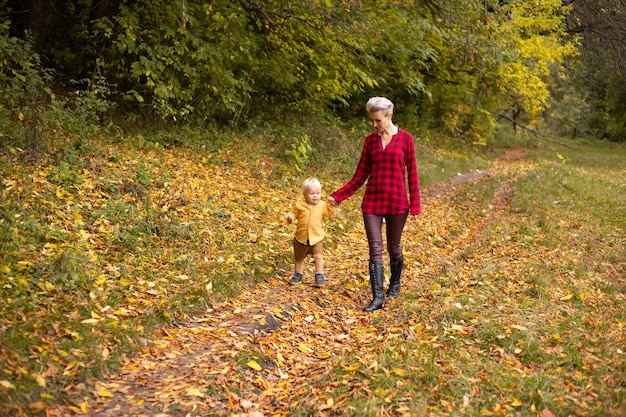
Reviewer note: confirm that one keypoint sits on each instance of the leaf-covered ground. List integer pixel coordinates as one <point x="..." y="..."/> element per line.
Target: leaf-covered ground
<point x="506" y="308"/>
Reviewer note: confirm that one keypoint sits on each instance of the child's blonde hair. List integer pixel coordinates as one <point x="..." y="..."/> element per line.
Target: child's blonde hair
<point x="310" y="183"/>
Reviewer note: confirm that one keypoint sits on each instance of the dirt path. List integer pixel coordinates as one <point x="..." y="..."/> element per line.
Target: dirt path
<point x="257" y="354"/>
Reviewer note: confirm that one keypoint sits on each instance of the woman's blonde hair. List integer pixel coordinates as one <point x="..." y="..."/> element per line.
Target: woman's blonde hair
<point x="379" y="103"/>
<point x="310" y="183"/>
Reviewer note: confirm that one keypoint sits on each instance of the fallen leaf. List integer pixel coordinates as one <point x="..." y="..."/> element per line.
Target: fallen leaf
<point x="254" y="365"/>
<point x="194" y="392"/>
<point x="105" y="393"/>
<point x="7" y="384"/>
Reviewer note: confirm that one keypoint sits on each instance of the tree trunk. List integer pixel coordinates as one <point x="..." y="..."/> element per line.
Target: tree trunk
<point x="34" y="16"/>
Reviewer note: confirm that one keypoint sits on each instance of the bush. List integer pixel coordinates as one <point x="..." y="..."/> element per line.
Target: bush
<point x="31" y="114"/>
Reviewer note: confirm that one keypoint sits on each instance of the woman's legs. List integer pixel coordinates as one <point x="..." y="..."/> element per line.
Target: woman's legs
<point x="395" y="227"/>
<point x="373" y="230"/>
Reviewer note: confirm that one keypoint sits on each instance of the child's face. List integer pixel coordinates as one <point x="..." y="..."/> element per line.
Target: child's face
<point x="312" y="195"/>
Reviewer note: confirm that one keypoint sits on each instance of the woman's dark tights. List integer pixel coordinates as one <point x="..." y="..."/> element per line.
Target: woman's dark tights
<point x="374" y="230"/>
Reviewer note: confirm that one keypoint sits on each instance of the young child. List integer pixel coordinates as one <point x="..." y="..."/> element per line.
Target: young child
<point x="307" y="213"/>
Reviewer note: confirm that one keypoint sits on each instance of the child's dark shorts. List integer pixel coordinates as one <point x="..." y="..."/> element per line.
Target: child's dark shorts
<point x="300" y="250"/>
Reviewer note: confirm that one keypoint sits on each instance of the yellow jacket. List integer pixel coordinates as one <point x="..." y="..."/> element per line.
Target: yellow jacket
<point x="309" y="230"/>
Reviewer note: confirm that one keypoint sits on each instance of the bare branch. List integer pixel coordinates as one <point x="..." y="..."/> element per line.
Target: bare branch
<point x="258" y="9"/>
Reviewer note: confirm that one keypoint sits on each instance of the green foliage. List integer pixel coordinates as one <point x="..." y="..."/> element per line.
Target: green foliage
<point x="597" y="75"/>
<point x="31" y="114"/>
<point x="453" y="67"/>
<point x="492" y="60"/>
<point x="298" y="154"/>
<point x="25" y="87"/>
<point x="91" y="98"/>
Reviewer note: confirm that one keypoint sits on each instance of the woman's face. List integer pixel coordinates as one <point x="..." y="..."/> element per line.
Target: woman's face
<point x="380" y="121"/>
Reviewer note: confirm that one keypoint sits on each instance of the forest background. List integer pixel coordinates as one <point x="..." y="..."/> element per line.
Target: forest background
<point x="106" y="100"/>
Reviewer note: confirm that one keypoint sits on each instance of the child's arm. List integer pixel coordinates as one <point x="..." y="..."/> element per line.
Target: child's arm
<point x="292" y="216"/>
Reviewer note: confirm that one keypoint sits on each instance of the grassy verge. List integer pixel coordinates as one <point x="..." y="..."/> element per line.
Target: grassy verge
<point x="526" y="317"/>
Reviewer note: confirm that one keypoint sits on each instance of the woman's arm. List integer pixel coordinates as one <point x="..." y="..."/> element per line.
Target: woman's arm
<point x="413" y="175"/>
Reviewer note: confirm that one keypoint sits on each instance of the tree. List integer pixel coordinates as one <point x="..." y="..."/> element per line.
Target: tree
<point x="601" y="75"/>
<point x="453" y="64"/>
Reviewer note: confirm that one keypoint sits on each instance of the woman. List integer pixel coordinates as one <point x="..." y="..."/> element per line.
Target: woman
<point x="387" y="159"/>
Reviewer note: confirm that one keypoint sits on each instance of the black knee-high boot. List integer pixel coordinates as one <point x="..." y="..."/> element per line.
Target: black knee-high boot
<point x="377" y="279"/>
<point x="394" y="281"/>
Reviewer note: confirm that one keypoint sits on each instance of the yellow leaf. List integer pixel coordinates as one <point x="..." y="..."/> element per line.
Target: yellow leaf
<point x="90" y="321"/>
<point x="194" y="392"/>
<point x="399" y="372"/>
<point x="7" y="384"/>
<point x="105" y="393"/>
<point x="330" y="402"/>
<point x="254" y="365"/>
<point x="516" y="403"/>
<point x="101" y="279"/>
<point x="21" y="116"/>
<point x="95" y="315"/>
<point x="304" y="348"/>
<point x="567" y="297"/>
<point x="352" y="367"/>
<point x="40" y="381"/>
<point x="77" y="218"/>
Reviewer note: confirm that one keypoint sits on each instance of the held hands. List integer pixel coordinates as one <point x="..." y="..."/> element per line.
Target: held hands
<point x="289" y="218"/>
<point x="332" y="202"/>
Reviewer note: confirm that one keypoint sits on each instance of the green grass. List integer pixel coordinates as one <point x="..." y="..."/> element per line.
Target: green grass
<point x="544" y="316"/>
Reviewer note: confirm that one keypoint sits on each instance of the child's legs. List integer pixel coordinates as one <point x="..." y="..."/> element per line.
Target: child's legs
<point x="318" y="260"/>
<point x="300" y="251"/>
<point x="318" y="257"/>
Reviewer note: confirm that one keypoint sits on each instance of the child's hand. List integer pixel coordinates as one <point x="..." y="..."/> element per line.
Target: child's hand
<point x="289" y="218"/>
<point x="332" y="201"/>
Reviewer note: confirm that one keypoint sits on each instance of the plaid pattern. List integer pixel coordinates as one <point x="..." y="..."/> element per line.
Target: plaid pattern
<point x="384" y="170"/>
